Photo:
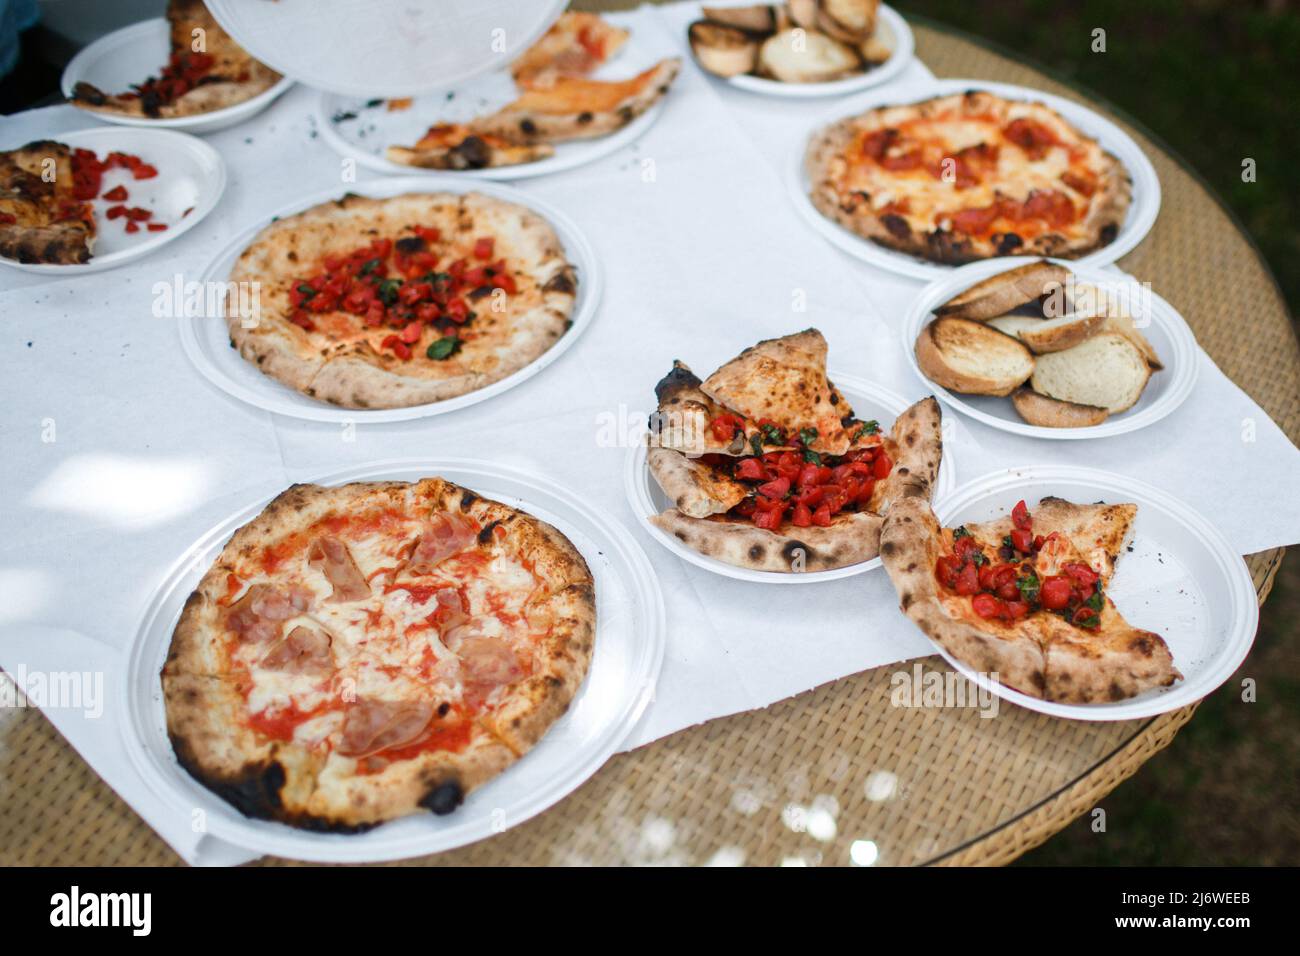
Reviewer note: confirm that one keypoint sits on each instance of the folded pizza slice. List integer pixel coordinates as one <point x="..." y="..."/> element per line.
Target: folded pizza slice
<point x="45" y="216"/>
<point x="575" y="45"/>
<point x="457" y="146"/>
<point x="1023" y="598"/>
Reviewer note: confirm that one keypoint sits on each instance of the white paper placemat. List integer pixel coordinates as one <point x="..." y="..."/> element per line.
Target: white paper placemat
<point x="117" y="455"/>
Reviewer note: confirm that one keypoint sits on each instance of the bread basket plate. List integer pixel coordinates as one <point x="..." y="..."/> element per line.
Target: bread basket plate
<point x="646" y="498"/>
<point x="191" y="178"/>
<point x="1156" y="319"/>
<point x="625" y="665"/>
<point x="891" y="30"/>
<point x="1142" y="211"/>
<point x="206" y="340"/>
<point x="129" y="55"/>
<point x="1178" y="577"/>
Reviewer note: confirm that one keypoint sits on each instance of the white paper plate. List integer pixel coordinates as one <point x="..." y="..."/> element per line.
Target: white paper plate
<point x="628" y="654"/>
<point x="647" y="499"/>
<point x="1180" y="578"/>
<point x="362" y="128"/>
<point x="385" y="47"/>
<point x="191" y="175"/>
<point x="891" y="30"/>
<point x="131" y="54"/>
<point x="1158" y="321"/>
<point x="1142" y="210"/>
<point x="207" y="342"/>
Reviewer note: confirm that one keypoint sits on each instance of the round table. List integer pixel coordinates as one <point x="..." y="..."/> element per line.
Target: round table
<point x="837" y="774"/>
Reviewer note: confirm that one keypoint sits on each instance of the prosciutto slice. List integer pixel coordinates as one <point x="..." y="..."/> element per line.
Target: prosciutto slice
<point x="332" y="558"/>
<point x="487" y="662"/>
<point x="370" y="726"/>
<point x="443" y="535"/>
<point x="305" y="650"/>
<point x="256" y="617"/>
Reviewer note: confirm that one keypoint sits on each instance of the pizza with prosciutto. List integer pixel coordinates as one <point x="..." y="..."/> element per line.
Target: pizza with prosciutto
<point x="768" y="467"/>
<point x="969" y="176"/>
<point x="385" y="303"/>
<point x="1023" y="598"/>
<point x="360" y="653"/>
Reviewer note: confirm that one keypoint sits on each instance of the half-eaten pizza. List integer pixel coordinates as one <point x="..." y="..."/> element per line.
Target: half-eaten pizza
<point x="969" y="176"/>
<point x="45" y="210"/>
<point x="558" y="102"/>
<point x="769" y="468"/>
<point x="385" y="303"/>
<point x="206" y="71"/>
<point x="363" y="652"/>
<point x="1023" y="598"/>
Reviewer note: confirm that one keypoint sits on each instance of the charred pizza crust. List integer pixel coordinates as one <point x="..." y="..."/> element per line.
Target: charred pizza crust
<point x="1041" y="655"/>
<point x="874" y="217"/>
<point x="310" y="784"/>
<point x="233" y="77"/>
<point x="351" y="371"/>
<point x="33" y="226"/>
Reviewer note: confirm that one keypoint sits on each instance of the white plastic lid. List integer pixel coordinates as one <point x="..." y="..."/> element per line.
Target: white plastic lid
<point x="388" y="48"/>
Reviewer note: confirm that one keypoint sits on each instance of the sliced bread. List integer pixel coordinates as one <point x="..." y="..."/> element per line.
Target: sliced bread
<point x="1052" y="413"/>
<point x="1049" y="335"/>
<point x="1107" y="371"/>
<point x="971" y="357"/>
<point x="999" y="294"/>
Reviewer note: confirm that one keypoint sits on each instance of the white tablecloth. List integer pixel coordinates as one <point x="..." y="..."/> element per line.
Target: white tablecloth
<point x="116" y="455"/>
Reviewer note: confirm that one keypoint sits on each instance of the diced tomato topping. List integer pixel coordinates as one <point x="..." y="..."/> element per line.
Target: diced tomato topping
<point x="1022" y="540"/>
<point x="156" y="226"/>
<point x="802" y="516"/>
<point x="483" y="248"/>
<point x="116" y="194"/>
<point x="1020" y="516"/>
<point x="1055" y="593"/>
<point x="987" y="606"/>
<point x="968" y="581"/>
<point x="776" y="488"/>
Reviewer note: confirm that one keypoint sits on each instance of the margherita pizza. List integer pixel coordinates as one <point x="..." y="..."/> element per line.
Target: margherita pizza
<point x="384" y="303"/>
<point x="769" y="468"/>
<point x="206" y="71"/>
<point x="363" y="652"/>
<point x="1023" y="599"/>
<point x="969" y="176"/>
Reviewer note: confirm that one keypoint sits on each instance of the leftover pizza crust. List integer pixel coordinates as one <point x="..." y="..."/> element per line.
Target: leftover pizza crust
<point x="343" y="360"/>
<point x="364" y="652"/>
<point x="969" y="176"/>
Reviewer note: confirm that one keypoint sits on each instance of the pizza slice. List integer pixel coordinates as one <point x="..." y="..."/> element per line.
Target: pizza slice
<point x="575" y="45"/>
<point x="207" y="70"/>
<point x="1024" y="599"/>
<point x="45" y="213"/>
<point x="458" y="146"/>
<point x="748" y="482"/>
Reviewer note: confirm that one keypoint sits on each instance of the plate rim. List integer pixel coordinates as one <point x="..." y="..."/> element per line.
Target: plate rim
<point x="635" y="478"/>
<point x="583" y="256"/>
<point x="1143" y="210"/>
<point x="228" y="115"/>
<point x="601" y="147"/>
<point x="1184" y="372"/>
<point x="904" y="53"/>
<point x="1239" y="641"/>
<point x="204" y="154"/>
<point x="350" y="848"/>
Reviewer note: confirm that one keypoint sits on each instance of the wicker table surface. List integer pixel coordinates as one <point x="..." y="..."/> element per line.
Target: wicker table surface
<point x="808" y="778"/>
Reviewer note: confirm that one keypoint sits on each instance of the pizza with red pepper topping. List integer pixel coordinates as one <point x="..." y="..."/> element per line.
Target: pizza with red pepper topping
<point x="385" y="303"/>
<point x="969" y="176"/>
<point x="205" y="71"/>
<point x="45" y="213"/>
<point x="1023" y="598"/>
<point x="364" y="652"/>
<point x="768" y="467"/>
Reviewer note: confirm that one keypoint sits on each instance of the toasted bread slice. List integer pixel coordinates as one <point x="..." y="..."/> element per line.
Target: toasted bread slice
<point x="973" y="358"/>
<point x="999" y="294"/>
<point x="721" y="49"/>
<point x="756" y="19"/>
<point x="1107" y="371"/>
<point x="807" y="58"/>
<point x="1052" y="413"/>
<point x="1049" y="335"/>
<point x="1125" y="327"/>
<point x="1097" y="301"/>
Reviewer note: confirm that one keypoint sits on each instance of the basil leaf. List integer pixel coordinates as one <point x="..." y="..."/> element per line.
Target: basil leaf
<point x="1028" y="585"/>
<point x="867" y="428"/>
<point x="387" y="290"/>
<point x="443" y="348"/>
<point x="756" y="443"/>
<point x="306" y="290"/>
<point x="370" y="266"/>
<point x="812" y="456"/>
<point x="961" y="533"/>
<point x="807" y="435"/>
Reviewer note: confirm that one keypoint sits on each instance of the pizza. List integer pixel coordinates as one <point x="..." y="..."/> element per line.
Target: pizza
<point x="385" y="303"/>
<point x="1024" y="598"/>
<point x="769" y="469"/>
<point x="45" y="210"/>
<point x="205" y="71"/>
<point x="969" y="176"/>
<point x="558" y="102"/>
<point x="363" y="652"/>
